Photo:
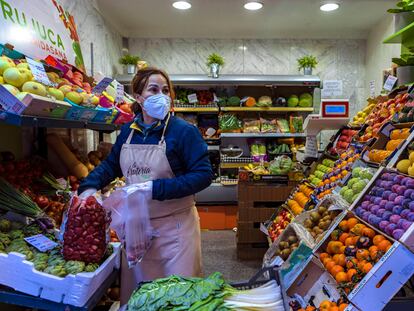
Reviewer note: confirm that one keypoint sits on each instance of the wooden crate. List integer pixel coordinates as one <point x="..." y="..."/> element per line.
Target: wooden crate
<point x="255" y="214"/>
<point x="253" y="192"/>
<point x="251" y="251"/>
<point x="249" y="232"/>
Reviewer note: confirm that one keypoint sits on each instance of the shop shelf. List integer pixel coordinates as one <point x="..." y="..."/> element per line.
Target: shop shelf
<point x="263" y="135"/>
<point x="401" y="35"/>
<point x="33" y="121"/>
<point x="268" y="109"/>
<point x="196" y="109"/>
<point x="246" y="80"/>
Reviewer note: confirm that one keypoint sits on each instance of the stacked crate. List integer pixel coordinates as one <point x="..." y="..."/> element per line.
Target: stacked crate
<point x="257" y="203"/>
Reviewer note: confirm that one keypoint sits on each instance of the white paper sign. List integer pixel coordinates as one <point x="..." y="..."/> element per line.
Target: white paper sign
<point x="372" y="88"/>
<point x="102" y="85"/>
<point x="41" y="242"/>
<point x="9" y="102"/>
<point x="389" y="83"/>
<point x="38" y="71"/>
<point x="119" y="92"/>
<point x="332" y="88"/>
<point x="311" y="147"/>
<point x="192" y="98"/>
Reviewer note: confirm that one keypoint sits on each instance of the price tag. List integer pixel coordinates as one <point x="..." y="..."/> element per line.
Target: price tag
<point x="38" y="71"/>
<point x="264" y="229"/>
<point x="411" y="92"/>
<point x="372" y="88"/>
<point x="119" y="92"/>
<point x="311" y="147"/>
<point x="9" y="102"/>
<point x="192" y="98"/>
<point x="102" y="85"/>
<point x="215" y="98"/>
<point x="41" y="242"/>
<point x="389" y="83"/>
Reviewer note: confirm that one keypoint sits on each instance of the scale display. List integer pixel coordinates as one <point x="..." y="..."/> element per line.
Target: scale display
<point x="335" y="108"/>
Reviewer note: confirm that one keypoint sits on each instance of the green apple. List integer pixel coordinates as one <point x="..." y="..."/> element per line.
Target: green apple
<point x="58" y="94"/>
<point x="74" y="97"/>
<point x="12" y="89"/>
<point x="21" y="95"/>
<point x="65" y="88"/>
<point x="14" y="77"/>
<point x="26" y="73"/>
<point x="5" y="63"/>
<point x="53" y="76"/>
<point x="34" y="88"/>
<point x="23" y="65"/>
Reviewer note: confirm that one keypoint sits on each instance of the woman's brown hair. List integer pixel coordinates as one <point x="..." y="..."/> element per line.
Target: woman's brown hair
<point x="140" y="80"/>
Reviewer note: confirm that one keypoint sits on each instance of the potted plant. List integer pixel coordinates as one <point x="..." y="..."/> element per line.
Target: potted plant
<point x="307" y="63"/>
<point x="404" y="14"/>
<point x="215" y="62"/>
<point x="405" y="69"/>
<point x="130" y="61"/>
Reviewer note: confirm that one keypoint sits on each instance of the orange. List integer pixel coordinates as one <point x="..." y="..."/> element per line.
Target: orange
<point x="322" y="256"/>
<point x="344" y="173"/>
<point x="310" y="308"/>
<point x="343" y="306"/>
<point x="340" y="259"/>
<point x="343" y="225"/>
<point x="330" y="265"/>
<point x="373" y="252"/>
<point x="351" y="263"/>
<point x="342" y="249"/>
<point x="350" y="273"/>
<point x="357" y="229"/>
<point x="325" y="305"/>
<point x="326" y="260"/>
<point x="349" y="241"/>
<point x="377" y="239"/>
<point x="368" y="232"/>
<point x="356" y="238"/>
<point x="334" y="308"/>
<point x="367" y="267"/>
<point x="362" y="254"/>
<point x="341" y="277"/>
<point x="361" y="264"/>
<point x="384" y="245"/>
<point x="343" y="237"/>
<point x="336" y="269"/>
<point x="352" y="222"/>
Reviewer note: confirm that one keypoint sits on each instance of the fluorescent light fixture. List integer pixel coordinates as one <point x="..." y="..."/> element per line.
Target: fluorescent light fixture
<point x="182" y="5"/>
<point x="329" y="6"/>
<point x="243" y="47"/>
<point x="253" y="5"/>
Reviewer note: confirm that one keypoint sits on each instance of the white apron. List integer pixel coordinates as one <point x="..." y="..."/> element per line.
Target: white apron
<point x="177" y="250"/>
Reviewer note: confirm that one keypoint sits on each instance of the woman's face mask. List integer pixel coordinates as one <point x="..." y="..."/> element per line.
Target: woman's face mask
<point x="157" y="106"/>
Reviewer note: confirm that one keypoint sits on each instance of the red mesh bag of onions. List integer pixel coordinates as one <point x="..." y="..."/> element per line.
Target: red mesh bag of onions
<point x="86" y="230"/>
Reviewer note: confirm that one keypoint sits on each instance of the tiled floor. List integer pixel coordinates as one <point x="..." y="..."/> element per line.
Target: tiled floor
<point x="219" y="254"/>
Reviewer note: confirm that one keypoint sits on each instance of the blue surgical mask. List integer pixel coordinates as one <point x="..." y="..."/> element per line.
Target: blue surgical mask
<point x="157" y="106"/>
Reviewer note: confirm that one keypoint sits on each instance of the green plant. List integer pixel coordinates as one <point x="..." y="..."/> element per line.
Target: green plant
<point x="215" y="58"/>
<point x="307" y="61"/>
<point x="403" y="6"/>
<point x="406" y="59"/>
<point x="129" y="59"/>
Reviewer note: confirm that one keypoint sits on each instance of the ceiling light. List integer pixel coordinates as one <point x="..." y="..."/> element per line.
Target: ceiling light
<point x="242" y="47"/>
<point x="182" y="5"/>
<point x="328" y="7"/>
<point x="253" y="5"/>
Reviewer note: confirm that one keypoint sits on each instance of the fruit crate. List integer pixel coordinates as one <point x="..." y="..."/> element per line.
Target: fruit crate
<point x="313" y="286"/>
<point x="331" y="150"/>
<point x="249" y="193"/>
<point x="388" y="206"/>
<point x="380" y="144"/>
<point x="392" y="267"/>
<point x="250" y="232"/>
<point x="278" y="222"/>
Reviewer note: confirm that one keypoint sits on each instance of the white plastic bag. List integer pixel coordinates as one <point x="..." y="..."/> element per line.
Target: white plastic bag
<point x="130" y="220"/>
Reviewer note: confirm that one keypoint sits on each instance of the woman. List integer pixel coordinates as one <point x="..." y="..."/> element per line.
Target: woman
<point x="170" y="157"/>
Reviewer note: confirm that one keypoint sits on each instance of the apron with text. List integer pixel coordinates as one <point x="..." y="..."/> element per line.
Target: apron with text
<point x="177" y="250"/>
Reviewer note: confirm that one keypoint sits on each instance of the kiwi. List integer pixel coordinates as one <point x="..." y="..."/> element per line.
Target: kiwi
<point x="325" y="213"/>
<point x="277" y="252"/>
<point x="292" y="239"/>
<point x="322" y="209"/>
<point x="315" y="217"/>
<point x="283" y="245"/>
<point x="308" y="223"/>
<point x="285" y="254"/>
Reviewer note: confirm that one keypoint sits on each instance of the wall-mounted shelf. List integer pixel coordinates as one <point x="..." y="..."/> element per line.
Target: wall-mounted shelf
<point x="268" y="109"/>
<point x="238" y="80"/>
<point x="405" y="34"/>
<point x="196" y="109"/>
<point x="262" y="135"/>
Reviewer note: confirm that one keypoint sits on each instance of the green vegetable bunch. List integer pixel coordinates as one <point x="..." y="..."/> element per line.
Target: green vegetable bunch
<point x="129" y="59"/>
<point x="74" y="266"/>
<point x="307" y="61"/>
<point x="403" y="6"/>
<point x="215" y="58"/>
<point x="406" y="59"/>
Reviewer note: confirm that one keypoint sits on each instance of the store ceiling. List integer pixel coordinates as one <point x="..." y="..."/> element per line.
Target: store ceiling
<point x="228" y="19"/>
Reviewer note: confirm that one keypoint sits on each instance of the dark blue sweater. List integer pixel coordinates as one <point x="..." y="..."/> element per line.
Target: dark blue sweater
<point x="186" y="152"/>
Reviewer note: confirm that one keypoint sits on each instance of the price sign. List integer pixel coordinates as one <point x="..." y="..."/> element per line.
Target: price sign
<point x="38" y="71"/>
<point x="102" y="85"/>
<point x="372" y="88"/>
<point x="41" y="242"/>
<point x="332" y="88"/>
<point x="389" y="83"/>
<point x="119" y="92"/>
<point x="192" y="98"/>
<point x="311" y="147"/>
<point x="9" y="102"/>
